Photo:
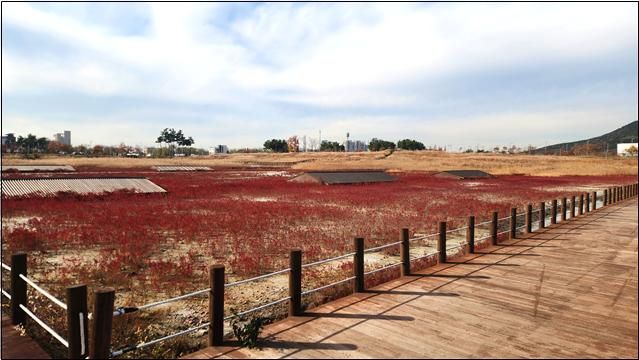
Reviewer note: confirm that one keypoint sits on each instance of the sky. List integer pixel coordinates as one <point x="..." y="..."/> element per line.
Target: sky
<point x="448" y="74"/>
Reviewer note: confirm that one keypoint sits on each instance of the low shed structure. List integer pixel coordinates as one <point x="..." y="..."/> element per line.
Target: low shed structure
<point x="38" y="168"/>
<point x="344" y="177"/>
<point x="464" y="174"/>
<point x="52" y="186"/>
<point x="181" y="168"/>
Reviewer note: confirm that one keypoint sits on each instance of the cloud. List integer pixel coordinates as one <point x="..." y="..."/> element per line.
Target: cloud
<point x="293" y="68"/>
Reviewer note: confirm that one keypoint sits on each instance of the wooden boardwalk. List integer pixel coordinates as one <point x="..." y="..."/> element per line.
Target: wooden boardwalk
<point x="16" y="346"/>
<point x="568" y="291"/>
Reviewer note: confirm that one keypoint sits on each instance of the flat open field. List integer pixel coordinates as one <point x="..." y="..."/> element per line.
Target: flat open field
<point x="498" y="164"/>
<point x="247" y="215"/>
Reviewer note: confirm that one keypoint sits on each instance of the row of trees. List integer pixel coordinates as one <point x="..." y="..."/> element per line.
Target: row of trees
<point x="292" y="145"/>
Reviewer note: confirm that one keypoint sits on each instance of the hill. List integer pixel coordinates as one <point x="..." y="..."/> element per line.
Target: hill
<point x="626" y="133"/>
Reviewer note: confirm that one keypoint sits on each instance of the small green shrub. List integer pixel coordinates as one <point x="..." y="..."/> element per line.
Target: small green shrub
<point x="247" y="330"/>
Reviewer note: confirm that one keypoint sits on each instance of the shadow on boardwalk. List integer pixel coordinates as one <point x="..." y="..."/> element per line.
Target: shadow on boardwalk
<point x="565" y="291"/>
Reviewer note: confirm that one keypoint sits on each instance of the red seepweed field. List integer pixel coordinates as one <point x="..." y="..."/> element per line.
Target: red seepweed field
<point x="154" y="246"/>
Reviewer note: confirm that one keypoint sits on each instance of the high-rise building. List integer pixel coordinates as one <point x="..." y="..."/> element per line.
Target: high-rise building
<point x="63" y="138"/>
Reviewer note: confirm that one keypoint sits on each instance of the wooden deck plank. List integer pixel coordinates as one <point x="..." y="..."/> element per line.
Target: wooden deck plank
<point x="16" y="346"/>
<point x="569" y="290"/>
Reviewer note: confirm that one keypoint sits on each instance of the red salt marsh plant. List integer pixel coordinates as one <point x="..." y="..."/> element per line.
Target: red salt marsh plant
<point x="249" y="223"/>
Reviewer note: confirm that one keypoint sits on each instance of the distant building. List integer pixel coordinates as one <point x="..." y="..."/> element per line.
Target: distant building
<point x="355" y="145"/>
<point x="63" y="138"/>
<point x="622" y="149"/>
<point x="221" y="149"/>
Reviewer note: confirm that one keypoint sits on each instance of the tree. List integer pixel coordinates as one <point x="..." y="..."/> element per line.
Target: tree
<point x="9" y="143"/>
<point x="378" y="145"/>
<point x="171" y="137"/>
<point x="331" y="146"/>
<point x="408" y="144"/>
<point x="276" y="145"/>
<point x="57" y="147"/>
<point x="293" y="144"/>
<point x="632" y="150"/>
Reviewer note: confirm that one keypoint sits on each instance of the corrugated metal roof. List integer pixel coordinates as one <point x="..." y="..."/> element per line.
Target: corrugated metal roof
<point x="464" y="174"/>
<point x="346" y="177"/>
<point x="181" y="168"/>
<point x="49" y="187"/>
<point x="27" y="168"/>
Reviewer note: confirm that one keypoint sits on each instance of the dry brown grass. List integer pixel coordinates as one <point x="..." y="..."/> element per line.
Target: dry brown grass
<point x="497" y="164"/>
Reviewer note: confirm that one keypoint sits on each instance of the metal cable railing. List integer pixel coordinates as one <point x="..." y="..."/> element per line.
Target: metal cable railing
<point x="423" y="237"/>
<point x="6" y="267"/>
<point x="43" y="292"/>
<point x="382" y="247"/>
<point x="130" y="348"/>
<point x="457" y="229"/>
<point x="382" y="268"/>
<point x="307" y="292"/>
<point x="6" y="294"/>
<point x="258" y="308"/>
<point x="424" y="256"/>
<point x="44" y="326"/>
<point x="260" y="277"/>
<point x="328" y="260"/>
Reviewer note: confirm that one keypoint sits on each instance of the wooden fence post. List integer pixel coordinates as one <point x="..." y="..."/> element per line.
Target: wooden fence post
<point x="216" y="305"/>
<point x="564" y="208"/>
<point x="405" y="252"/>
<point x="77" y="321"/>
<point x="102" y="325"/>
<point x="618" y="193"/>
<point x="470" y="234"/>
<point x="529" y="215"/>
<point x="18" y="288"/>
<point x="594" y="200"/>
<point x="295" y="283"/>
<point x="553" y="212"/>
<point x="573" y="206"/>
<point x="493" y="228"/>
<point x="513" y="223"/>
<point x="441" y="242"/>
<point x="587" y="202"/>
<point x="358" y="265"/>
<point x="542" y="215"/>
<point x="582" y="205"/>
<point x="605" y="197"/>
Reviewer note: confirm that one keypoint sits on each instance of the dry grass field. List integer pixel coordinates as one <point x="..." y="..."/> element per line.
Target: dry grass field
<point x="498" y="164"/>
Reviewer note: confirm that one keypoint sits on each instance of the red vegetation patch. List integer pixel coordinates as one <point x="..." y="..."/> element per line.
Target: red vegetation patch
<point x="249" y="221"/>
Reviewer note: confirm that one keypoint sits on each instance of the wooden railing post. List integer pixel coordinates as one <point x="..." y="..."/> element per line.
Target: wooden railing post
<point x="216" y="305"/>
<point x="493" y="228"/>
<point x="529" y="216"/>
<point x="587" y="202"/>
<point x="573" y="206"/>
<point x="358" y="265"/>
<point x="441" y="242"/>
<point x="102" y="324"/>
<point x="470" y="234"/>
<point x="594" y="200"/>
<point x="553" y="212"/>
<point x="564" y="208"/>
<point x="582" y="204"/>
<point x="405" y="252"/>
<point x="618" y="193"/>
<point x="605" y="197"/>
<point x="295" y="283"/>
<point x="18" y="288"/>
<point x="513" y="223"/>
<point x="77" y="321"/>
<point x="542" y="215"/>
